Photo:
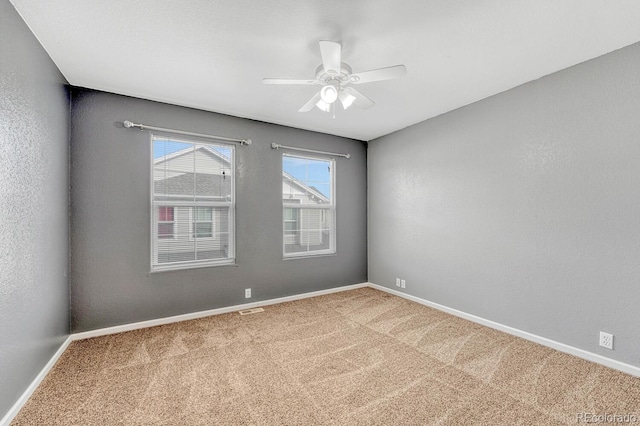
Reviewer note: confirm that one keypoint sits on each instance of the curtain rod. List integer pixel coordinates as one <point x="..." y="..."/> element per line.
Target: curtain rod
<point x="276" y="146"/>
<point x="129" y="124"/>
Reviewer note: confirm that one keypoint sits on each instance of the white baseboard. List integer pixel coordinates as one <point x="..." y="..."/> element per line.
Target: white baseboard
<point x="208" y="313"/>
<point x="13" y="411"/>
<point x="580" y="353"/>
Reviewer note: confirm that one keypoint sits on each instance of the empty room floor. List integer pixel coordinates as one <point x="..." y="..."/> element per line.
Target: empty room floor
<point x="355" y="357"/>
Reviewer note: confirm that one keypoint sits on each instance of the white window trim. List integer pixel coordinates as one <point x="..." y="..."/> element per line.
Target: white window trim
<point x="331" y="251"/>
<point x="193" y="264"/>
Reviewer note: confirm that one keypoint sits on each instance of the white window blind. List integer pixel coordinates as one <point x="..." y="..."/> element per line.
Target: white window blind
<point x="308" y="206"/>
<point x="192" y="204"/>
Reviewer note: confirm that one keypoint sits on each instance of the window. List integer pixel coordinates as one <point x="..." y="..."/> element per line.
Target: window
<point x="165" y="222"/>
<point x="308" y="206"/>
<point x="203" y="223"/>
<point x="290" y="224"/>
<point x="193" y="204"/>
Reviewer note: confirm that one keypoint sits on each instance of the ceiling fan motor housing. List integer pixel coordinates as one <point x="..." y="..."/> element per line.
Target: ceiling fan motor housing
<point x="342" y="78"/>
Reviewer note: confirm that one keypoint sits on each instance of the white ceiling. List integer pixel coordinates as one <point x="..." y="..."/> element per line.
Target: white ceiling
<point x="212" y="55"/>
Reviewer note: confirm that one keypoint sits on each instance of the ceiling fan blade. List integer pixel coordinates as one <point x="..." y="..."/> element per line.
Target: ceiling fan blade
<point x="288" y="81"/>
<point x="361" y="101"/>
<point x="309" y="105"/>
<point x="331" y="56"/>
<point x="388" y="73"/>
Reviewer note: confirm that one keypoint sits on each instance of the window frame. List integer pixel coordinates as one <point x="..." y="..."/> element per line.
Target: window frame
<point x="330" y="208"/>
<point x="231" y="205"/>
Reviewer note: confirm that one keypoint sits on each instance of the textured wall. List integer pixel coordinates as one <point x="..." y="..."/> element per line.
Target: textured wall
<point x="34" y="140"/>
<point x="110" y="281"/>
<point x="523" y="208"/>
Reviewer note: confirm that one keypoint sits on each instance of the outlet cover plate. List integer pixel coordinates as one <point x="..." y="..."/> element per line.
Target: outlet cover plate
<point x="606" y="340"/>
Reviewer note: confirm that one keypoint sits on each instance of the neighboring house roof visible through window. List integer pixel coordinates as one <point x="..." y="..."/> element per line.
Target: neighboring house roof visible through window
<point x="207" y="184"/>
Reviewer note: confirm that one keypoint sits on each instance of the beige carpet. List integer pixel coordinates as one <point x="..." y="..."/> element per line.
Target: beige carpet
<point x="350" y="358"/>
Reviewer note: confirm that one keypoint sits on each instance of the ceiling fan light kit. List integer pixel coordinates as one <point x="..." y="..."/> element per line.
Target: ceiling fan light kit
<point x="335" y="77"/>
<point x="322" y="105"/>
<point x="329" y="93"/>
<point x="346" y="99"/>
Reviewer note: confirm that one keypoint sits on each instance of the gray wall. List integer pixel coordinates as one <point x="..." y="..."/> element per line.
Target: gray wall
<point x="34" y="141"/>
<point x="523" y="208"/>
<point x="110" y="280"/>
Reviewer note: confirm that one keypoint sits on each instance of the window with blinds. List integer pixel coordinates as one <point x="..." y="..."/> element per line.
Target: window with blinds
<point x="193" y="204"/>
<point x="308" y="206"/>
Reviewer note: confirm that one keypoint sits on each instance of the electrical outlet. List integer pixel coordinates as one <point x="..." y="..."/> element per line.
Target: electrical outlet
<point x="247" y="293"/>
<point x="397" y="282"/>
<point x="403" y="283"/>
<point x="606" y="340"/>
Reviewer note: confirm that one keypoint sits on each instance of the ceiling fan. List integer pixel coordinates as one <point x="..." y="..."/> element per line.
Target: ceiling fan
<point x="335" y="77"/>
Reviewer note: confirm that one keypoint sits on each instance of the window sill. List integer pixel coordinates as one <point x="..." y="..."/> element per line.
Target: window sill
<point x="183" y="267"/>
<point x="308" y="256"/>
